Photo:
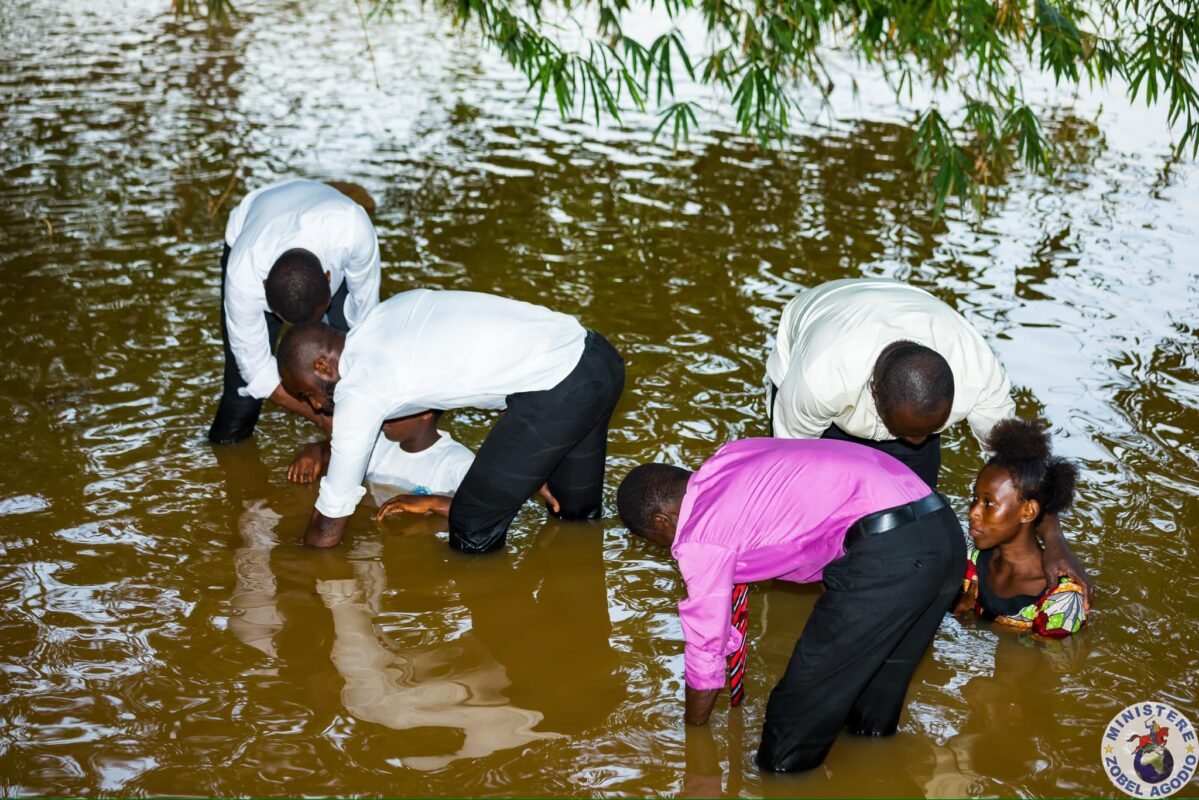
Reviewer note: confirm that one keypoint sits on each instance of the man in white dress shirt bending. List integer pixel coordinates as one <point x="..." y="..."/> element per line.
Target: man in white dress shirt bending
<point x="885" y="364"/>
<point x="294" y="251"/>
<point x="422" y="349"/>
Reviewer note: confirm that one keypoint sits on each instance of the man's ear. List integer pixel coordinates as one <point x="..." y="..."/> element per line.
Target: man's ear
<point x="323" y="368"/>
<point x="329" y="278"/>
<point x="664" y="522"/>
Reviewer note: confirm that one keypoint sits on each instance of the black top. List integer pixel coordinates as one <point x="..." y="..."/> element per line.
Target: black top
<point x="995" y="605"/>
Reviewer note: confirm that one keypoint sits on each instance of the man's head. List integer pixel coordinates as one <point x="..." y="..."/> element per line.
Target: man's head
<point x="913" y="391"/>
<point x="308" y="358"/>
<point x="297" y="289"/>
<point x="649" y="499"/>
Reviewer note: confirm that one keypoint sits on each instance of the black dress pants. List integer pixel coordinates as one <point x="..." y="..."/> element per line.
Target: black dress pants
<point x="924" y="459"/>
<point x="558" y="436"/>
<point x="236" y="415"/>
<point x="882" y="604"/>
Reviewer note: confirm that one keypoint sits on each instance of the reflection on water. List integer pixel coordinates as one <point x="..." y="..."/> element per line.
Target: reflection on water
<point x="166" y="634"/>
<point x="458" y="685"/>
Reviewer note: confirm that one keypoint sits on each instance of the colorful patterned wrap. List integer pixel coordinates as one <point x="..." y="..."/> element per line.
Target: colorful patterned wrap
<point x="1056" y="613"/>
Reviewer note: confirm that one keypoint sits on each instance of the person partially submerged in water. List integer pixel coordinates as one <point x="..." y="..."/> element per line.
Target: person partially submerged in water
<point x="415" y="467"/>
<point x="412" y="458"/>
<point x="1021" y="482"/>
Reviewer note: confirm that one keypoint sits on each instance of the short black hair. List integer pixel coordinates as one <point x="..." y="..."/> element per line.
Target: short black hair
<point x="910" y="375"/>
<point x="296" y="287"/>
<point x="301" y="345"/>
<point x="646" y="490"/>
<point x="1022" y="448"/>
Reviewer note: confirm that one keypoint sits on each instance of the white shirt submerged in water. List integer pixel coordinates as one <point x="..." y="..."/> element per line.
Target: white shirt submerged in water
<point x="438" y="469"/>
<point x="830" y="337"/>
<point x="270" y="221"/>
<point x="425" y="349"/>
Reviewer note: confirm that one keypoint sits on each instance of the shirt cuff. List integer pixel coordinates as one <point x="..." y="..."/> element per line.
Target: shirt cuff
<point x="265" y="381"/>
<point x="334" y="504"/>
<point x="704" y="671"/>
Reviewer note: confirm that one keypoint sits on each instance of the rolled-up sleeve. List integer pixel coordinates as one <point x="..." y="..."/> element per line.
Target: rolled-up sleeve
<point x="355" y="429"/>
<point x="706" y="614"/>
<point x="245" y="324"/>
<point x="362" y="270"/>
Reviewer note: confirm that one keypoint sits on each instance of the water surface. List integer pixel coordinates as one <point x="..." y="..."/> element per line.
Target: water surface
<point x="166" y="634"/>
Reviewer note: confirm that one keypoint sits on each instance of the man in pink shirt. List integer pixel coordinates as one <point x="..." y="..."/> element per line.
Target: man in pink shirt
<point x="889" y="552"/>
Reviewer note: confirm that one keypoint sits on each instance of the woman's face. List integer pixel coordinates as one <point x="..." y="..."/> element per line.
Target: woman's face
<point x="997" y="511"/>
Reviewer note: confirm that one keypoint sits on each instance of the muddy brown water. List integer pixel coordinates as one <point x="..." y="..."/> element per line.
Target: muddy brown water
<point x="164" y="632"/>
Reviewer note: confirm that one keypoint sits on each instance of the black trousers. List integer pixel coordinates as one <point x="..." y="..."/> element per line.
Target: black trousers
<point x="882" y="604"/>
<point x="558" y="436"/>
<point x="236" y="416"/>
<point x="924" y="459"/>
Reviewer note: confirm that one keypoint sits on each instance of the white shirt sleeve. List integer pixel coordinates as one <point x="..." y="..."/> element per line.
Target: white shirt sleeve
<point x="806" y="403"/>
<point x="994" y="402"/>
<point x="362" y="270"/>
<point x="245" y="322"/>
<point x="355" y="428"/>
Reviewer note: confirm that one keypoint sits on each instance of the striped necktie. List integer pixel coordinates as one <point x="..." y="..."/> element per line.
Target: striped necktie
<point x="737" y="659"/>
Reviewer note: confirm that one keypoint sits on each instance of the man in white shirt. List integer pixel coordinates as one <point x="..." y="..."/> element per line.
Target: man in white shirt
<point x="294" y="251"/>
<point x="422" y="349"/>
<point x="885" y="364"/>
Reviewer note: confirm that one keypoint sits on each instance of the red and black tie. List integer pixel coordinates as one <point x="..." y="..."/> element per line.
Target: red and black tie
<point x="737" y="659"/>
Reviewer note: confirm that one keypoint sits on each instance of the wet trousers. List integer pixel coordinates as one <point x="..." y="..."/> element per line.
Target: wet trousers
<point x="851" y="667"/>
<point x="558" y="436"/>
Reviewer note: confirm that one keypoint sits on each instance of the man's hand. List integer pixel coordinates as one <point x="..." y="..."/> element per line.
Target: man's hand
<point x="310" y="463"/>
<point x="550" y="500"/>
<point x="700" y="703"/>
<point x="966" y="600"/>
<point x="1057" y="560"/>
<point x="414" y="504"/>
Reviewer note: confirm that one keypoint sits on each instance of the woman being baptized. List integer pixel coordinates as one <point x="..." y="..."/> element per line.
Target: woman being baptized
<point x="1018" y="486"/>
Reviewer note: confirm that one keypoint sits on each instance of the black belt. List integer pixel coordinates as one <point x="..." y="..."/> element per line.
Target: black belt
<point x="891" y="518"/>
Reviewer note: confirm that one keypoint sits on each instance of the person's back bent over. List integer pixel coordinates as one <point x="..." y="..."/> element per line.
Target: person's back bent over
<point x="888" y="551"/>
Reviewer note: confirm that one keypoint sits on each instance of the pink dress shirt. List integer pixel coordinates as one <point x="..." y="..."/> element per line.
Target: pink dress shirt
<point x="770" y="508"/>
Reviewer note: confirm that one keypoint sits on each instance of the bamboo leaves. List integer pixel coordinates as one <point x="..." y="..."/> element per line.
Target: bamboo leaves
<point x="768" y="54"/>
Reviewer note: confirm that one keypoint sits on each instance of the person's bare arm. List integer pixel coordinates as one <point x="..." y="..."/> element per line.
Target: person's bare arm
<point x="325" y="531"/>
<point x="702" y="776"/>
<point x="415" y="504"/>
<point x="700" y="703"/>
<point x="1057" y="559"/>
